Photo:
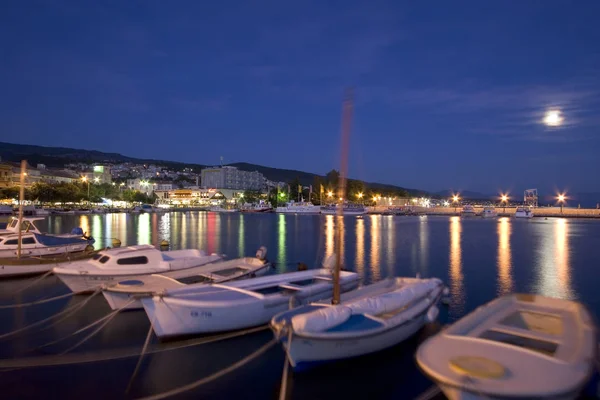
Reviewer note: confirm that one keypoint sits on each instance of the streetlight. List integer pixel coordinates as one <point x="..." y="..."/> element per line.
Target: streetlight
<point x="85" y="179"/>
<point x="504" y="199"/>
<point x="561" y="199"/>
<point x="455" y="200"/>
<point x="96" y="180"/>
<point x="360" y="196"/>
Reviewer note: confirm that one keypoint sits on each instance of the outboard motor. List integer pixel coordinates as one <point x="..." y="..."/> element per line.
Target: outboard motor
<point x="261" y="253"/>
<point x="329" y="262"/>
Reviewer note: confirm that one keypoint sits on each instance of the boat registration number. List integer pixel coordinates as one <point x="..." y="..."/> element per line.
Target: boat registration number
<point x="201" y="314"/>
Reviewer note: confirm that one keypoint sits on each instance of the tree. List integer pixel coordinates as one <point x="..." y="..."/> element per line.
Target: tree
<point x="295" y="189"/>
<point x="332" y="178"/>
<point x="251" y="196"/>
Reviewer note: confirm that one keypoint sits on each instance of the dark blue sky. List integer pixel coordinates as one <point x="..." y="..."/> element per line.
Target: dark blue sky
<point x="448" y="94"/>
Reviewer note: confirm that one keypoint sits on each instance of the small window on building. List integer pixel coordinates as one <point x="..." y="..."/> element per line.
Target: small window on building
<point x="133" y="260"/>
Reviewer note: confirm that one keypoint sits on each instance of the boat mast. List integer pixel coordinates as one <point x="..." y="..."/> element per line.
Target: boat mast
<point x="347" y="111"/>
<point x="21" y="199"/>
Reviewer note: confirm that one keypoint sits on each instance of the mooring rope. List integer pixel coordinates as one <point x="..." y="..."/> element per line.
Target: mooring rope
<point x="80" y="330"/>
<point x="76" y="307"/>
<point x="35" y="303"/>
<point x="116" y="354"/>
<point x="429" y="393"/>
<point x="30" y="284"/>
<point x="142" y="354"/>
<point x="93" y="333"/>
<point x="214" y="376"/>
<point x="69" y="310"/>
<point x="286" y="366"/>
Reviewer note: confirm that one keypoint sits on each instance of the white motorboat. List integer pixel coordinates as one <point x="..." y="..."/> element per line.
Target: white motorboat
<point x="112" y="265"/>
<point x="367" y="320"/>
<point x="300" y="207"/>
<point x="523" y="212"/>
<point x="220" y="209"/>
<point x="41" y="212"/>
<point x="20" y="267"/>
<point x="468" y="211"/>
<point x="518" y="346"/>
<point x="260" y="207"/>
<point x="119" y="296"/>
<point x="197" y="309"/>
<point x="28" y="225"/>
<point x="489" y="212"/>
<point x="347" y="209"/>
<point x="39" y="246"/>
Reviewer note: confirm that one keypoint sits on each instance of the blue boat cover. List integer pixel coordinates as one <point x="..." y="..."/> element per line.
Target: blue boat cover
<point x="48" y="240"/>
<point x="77" y="231"/>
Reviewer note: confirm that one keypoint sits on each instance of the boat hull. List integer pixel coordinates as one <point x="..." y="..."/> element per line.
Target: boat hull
<point x="307" y="352"/>
<point x="453" y="393"/>
<point x="178" y="317"/>
<point x="14" y="271"/>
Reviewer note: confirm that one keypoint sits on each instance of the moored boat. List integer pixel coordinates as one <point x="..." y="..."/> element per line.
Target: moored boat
<point x="225" y="209"/>
<point x="347" y="209"/>
<point x="299" y="207"/>
<point x="260" y="207"/>
<point x="519" y="346"/>
<point x="119" y="295"/>
<point x="198" y="309"/>
<point x="489" y="212"/>
<point x="523" y="212"/>
<point x="112" y="265"/>
<point x="369" y="319"/>
<point x="468" y="211"/>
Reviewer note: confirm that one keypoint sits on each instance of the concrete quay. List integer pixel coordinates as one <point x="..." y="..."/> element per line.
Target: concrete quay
<point x="540" y="212"/>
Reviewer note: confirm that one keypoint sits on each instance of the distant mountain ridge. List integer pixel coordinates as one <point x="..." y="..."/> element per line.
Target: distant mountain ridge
<point x="58" y="156"/>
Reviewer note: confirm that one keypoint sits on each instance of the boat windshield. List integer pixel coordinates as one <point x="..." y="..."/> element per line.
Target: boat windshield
<point x="188" y="280"/>
<point x="541" y="346"/>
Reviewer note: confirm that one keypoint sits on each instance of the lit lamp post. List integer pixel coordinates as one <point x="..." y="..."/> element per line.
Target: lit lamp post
<point x="561" y="200"/>
<point x="455" y="200"/>
<point x="360" y="196"/>
<point x="85" y="179"/>
<point x="504" y="200"/>
<point x="329" y="195"/>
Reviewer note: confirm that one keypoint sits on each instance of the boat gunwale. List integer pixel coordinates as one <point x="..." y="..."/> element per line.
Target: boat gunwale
<point x="325" y="336"/>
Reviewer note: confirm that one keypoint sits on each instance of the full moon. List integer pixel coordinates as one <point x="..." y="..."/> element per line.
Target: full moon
<point x="553" y="118"/>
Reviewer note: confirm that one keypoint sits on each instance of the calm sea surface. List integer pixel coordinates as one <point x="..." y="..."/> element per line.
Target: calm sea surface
<point x="478" y="259"/>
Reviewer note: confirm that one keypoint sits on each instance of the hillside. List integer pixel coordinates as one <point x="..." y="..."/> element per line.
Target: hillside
<point x="59" y="156"/>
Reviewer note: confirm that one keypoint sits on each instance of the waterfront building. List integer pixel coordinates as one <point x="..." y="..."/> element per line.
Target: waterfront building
<point x="198" y="196"/>
<point x="5" y="175"/>
<point x="228" y="177"/>
<point x="98" y="174"/>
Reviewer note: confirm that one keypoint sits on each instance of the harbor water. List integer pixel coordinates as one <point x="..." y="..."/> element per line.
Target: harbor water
<point x="479" y="259"/>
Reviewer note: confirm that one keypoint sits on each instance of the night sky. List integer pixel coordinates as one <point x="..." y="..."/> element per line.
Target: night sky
<point x="448" y="94"/>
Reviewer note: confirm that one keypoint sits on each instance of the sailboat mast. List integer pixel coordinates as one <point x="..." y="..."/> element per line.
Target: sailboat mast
<point x="347" y="111"/>
<point x="21" y="199"/>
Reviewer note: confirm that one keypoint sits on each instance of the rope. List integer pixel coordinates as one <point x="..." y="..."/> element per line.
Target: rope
<point x="110" y="355"/>
<point x="94" y="323"/>
<point x="430" y="393"/>
<point x="34" y="303"/>
<point x="91" y="335"/>
<point x="35" y="281"/>
<point x="69" y="310"/>
<point x="286" y="367"/>
<point x="139" y="363"/>
<point x="78" y="307"/>
<point x="214" y="376"/>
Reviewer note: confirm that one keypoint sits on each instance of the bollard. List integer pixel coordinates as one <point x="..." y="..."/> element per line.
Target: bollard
<point x="164" y="245"/>
<point x="116" y="243"/>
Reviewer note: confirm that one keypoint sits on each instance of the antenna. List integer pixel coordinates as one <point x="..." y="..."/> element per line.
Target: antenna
<point x="347" y="112"/>
<point x="221" y="161"/>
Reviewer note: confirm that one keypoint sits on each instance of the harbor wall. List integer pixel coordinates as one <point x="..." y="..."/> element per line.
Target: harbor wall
<point x="502" y="211"/>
